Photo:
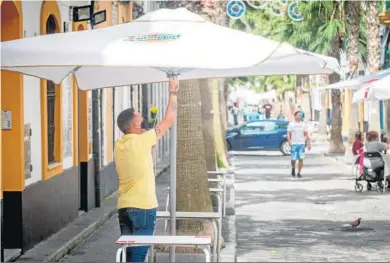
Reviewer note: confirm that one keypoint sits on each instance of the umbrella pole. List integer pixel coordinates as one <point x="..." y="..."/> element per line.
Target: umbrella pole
<point x="172" y="190"/>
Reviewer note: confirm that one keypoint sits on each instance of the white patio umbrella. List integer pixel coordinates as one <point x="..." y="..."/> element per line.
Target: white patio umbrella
<point x="162" y="42"/>
<point x="374" y="90"/>
<point x="159" y="44"/>
<point x="358" y="82"/>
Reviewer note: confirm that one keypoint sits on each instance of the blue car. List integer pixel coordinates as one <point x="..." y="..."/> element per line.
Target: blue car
<point x="259" y="135"/>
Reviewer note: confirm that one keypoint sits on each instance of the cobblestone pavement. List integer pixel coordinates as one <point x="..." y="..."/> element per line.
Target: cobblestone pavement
<point x="101" y="247"/>
<point x="280" y="218"/>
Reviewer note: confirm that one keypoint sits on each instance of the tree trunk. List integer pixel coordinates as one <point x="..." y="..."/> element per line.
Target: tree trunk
<point x="192" y="184"/>
<point x="336" y="139"/>
<point x="223" y="108"/>
<point x="192" y="181"/>
<point x="324" y="80"/>
<point x="373" y="58"/>
<point x="353" y="56"/>
<point x="208" y="123"/>
<point x="218" y="132"/>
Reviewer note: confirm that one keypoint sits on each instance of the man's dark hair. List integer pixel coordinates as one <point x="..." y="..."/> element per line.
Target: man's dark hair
<point x="124" y="119"/>
<point x="297" y="112"/>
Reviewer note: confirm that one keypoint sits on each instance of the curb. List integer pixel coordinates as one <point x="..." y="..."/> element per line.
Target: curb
<point x="75" y="241"/>
<point x="87" y="232"/>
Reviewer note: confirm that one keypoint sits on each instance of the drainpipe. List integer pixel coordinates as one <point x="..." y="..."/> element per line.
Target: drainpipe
<point x="96" y="136"/>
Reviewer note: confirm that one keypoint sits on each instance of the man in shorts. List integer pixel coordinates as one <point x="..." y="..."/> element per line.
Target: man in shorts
<point x="298" y="137"/>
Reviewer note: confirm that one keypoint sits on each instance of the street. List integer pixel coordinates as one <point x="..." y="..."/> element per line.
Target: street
<point x="280" y="218"/>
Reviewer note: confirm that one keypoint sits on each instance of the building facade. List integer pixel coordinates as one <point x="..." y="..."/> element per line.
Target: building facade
<point x="47" y="163"/>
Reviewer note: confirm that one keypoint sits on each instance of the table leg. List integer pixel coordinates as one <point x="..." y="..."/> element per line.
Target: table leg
<point x="151" y="253"/>
<point x="219" y="226"/>
<point x="206" y="251"/>
<point x="124" y="256"/>
<point x="216" y="237"/>
<point x="224" y="198"/>
<point x="118" y="255"/>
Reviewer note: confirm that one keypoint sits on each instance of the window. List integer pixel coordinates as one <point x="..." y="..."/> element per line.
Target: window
<point x="51" y="101"/>
<point x="282" y="125"/>
<point x="257" y="127"/>
<point x="269" y="126"/>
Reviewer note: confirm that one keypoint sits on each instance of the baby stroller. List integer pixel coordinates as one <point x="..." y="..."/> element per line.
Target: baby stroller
<point x="372" y="170"/>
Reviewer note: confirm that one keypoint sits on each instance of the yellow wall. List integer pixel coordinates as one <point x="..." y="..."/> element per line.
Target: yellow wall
<point x="12" y="141"/>
<point x="51" y="8"/>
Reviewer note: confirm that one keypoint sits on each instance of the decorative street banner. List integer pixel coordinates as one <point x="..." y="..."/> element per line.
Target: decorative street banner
<point x="293" y="12"/>
<point x="235" y="9"/>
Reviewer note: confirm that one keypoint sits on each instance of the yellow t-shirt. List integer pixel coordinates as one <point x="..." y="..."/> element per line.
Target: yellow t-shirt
<point x="134" y="165"/>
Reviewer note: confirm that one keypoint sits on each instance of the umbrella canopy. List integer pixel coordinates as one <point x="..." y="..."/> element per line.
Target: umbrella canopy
<point x="166" y="41"/>
<point x="358" y="82"/>
<point x="374" y="90"/>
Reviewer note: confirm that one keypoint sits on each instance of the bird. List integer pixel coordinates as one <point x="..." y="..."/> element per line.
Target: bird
<point x="356" y="223"/>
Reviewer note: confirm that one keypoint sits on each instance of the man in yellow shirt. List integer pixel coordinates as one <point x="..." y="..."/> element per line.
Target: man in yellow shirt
<point x="137" y="201"/>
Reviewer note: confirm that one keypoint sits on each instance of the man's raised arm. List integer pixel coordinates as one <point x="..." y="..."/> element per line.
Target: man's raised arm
<point x="171" y="111"/>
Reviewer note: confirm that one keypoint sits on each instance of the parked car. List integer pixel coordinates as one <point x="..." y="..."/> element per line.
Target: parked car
<point x="259" y="135"/>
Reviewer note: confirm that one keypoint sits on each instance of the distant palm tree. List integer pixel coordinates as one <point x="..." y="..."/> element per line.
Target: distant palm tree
<point x="373" y="59"/>
<point x="353" y="13"/>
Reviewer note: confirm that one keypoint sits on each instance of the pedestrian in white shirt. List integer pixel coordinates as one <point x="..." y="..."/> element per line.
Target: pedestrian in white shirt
<point x="298" y="138"/>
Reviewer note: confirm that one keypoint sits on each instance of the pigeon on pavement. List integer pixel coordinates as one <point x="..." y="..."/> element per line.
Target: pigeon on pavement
<point x="356" y="223"/>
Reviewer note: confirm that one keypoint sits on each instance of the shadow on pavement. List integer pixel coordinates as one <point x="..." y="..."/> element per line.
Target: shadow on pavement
<point x="315" y="237"/>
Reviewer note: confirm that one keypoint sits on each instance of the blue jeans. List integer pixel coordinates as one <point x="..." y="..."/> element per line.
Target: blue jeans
<point x="135" y="221"/>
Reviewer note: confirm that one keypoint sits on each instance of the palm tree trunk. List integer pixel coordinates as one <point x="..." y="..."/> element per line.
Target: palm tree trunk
<point x="373" y="58"/>
<point x="219" y="134"/>
<point x="324" y="107"/>
<point x="336" y="139"/>
<point x="353" y="56"/>
<point x="208" y="121"/>
<point x="192" y="183"/>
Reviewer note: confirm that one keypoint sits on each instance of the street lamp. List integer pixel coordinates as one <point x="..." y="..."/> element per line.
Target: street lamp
<point x="82" y="13"/>
<point x="85" y="13"/>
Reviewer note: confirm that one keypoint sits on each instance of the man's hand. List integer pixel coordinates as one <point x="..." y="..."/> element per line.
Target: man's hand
<point x="308" y="146"/>
<point x="173" y="85"/>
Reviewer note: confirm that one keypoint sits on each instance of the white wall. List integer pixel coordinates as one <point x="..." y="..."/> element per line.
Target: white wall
<point x="32" y="102"/>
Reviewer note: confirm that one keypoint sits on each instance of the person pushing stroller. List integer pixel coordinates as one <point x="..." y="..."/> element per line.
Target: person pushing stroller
<point x="372" y="167"/>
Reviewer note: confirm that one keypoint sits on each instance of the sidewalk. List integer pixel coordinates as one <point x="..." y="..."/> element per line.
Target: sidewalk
<point x="58" y="245"/>
<point x="91" y="237"/>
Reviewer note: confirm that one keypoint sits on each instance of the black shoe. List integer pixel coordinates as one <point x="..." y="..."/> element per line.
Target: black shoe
<point x="293" y="173"/>
<point x="299" y="175"/>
